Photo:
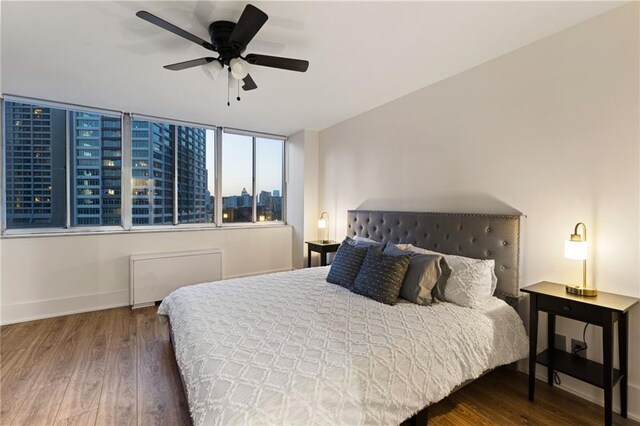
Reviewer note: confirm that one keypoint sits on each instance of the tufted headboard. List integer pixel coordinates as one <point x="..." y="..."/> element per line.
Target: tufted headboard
<point x="481" y="236"/>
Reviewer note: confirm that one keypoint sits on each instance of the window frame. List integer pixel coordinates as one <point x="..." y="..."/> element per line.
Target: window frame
<point x="126" y="202"/>
<point x="254" y="209"/>
<point x="67" y="229"/>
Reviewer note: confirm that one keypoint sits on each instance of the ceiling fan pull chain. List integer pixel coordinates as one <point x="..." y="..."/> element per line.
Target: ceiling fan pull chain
<point x="228" y="88"/>
<point x="238" y="98"/>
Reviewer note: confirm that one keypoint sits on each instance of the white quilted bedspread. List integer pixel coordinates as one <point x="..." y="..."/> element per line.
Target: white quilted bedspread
<point x="291" y="349"/>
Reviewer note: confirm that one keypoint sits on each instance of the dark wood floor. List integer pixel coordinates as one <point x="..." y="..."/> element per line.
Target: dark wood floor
<point x="117" y="367"/>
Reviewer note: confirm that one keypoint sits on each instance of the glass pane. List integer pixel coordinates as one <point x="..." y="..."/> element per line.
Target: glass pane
<point x="196" y="175"/>
<point x="152" y="172"/>
<point x="35" y="166"/>
<point x="269" y="156"/>
<point x="237" y="175"/>
<point x="96" y="169"/>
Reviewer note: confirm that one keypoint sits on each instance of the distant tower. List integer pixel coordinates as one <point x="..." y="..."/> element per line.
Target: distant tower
<point x="192" y="175"/>
<point x="35" y="166"/>
<point x="96" y="168"/>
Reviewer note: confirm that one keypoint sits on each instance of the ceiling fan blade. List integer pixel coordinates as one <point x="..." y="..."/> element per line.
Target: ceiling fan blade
<point x="143" y="14"/>
<point x="249" y="84"/>
<point x="189" y="64"/>
<point x="278" y="62"/>
<point x="250" y="22"/>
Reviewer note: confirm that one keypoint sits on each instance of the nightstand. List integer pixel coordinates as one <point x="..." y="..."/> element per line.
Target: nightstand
<point x="603" y="310"/>
<point x="323" y="247"/>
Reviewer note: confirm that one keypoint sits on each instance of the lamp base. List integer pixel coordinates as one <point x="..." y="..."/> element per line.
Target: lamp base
<point x="326" y="241"/>
<point x="582" y="291"/>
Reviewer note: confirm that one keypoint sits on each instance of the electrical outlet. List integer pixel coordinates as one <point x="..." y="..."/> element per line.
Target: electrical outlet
<point x="579" y="348"/>
<point x="560" y="342"/>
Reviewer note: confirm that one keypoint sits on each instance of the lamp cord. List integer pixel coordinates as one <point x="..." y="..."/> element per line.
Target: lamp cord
<point x="556" y="376"/>
<point x="584" y="340"/>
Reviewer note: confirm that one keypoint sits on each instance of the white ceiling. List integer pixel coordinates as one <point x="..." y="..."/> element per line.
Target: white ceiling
<point x="362" y="54"/>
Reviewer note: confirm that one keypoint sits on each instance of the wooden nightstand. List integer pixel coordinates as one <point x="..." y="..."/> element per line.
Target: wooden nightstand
<point x="322" y="247"/>
<point x="603" y="310"/>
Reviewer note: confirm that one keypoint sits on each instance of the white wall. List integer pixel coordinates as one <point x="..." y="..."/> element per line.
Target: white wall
<point x="302" y="191"/>
<point x="551" y="130"/>
<point x="49" y="276"/>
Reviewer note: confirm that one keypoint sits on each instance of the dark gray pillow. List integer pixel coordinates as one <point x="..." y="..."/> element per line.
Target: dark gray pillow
<point x="425" y="275"/>
<point x="380" y="276"/>
<point x="346" y="264"/>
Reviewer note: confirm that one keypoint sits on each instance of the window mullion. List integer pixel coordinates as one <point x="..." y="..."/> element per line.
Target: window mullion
<point x="254" y="208"/>
<point x="126" y="185"/>
<point x="175" y="175"/>
<point x="285" y="180"/>
<point x="3" y="190"/>
<point x="67" y="169"/>
<point x="218" y="176"/>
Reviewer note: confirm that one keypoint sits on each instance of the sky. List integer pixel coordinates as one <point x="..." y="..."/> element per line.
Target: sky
<point x="237" y="164"/>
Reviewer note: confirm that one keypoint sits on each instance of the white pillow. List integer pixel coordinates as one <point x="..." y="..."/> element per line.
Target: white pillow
<point x="364" y="239"/>
<point x="471" y="282"/>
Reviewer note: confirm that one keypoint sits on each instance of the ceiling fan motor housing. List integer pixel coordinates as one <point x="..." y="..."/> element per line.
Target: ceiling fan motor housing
<point x="220" y="31"/>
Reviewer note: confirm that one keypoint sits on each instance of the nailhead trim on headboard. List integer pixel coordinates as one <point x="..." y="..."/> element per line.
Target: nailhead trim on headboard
<point x="481" y="236"/>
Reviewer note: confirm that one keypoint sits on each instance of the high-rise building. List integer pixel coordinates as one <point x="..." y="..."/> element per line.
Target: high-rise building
<point x="36" y="181"/>
<point x="153" y="179"/>
<point x="152" y="172"/>
<point x="192" y="176"/>
<point x="96" y="164"/>
<point x="35" y="166"/>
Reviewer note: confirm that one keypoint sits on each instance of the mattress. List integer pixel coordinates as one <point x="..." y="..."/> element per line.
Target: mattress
<point x="291" y="349"/>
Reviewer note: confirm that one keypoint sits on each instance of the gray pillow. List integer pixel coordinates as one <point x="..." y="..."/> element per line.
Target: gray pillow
<point x="426" y="275"/>
<point x="380" y="276"/>
<point x="346" y="264"/>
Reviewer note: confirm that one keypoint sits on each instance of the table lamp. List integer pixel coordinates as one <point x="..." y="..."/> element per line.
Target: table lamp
<point x="323" y="223"/>
<point x="576" y="248"/>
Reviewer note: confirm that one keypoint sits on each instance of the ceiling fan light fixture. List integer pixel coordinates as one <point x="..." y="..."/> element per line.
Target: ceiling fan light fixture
<point x="212" y="69"/>
<point x="239" y="68"/>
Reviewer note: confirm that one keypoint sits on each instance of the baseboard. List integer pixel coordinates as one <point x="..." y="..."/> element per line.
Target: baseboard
<point x="40" y="309"/>
<point x="634" y="394"/>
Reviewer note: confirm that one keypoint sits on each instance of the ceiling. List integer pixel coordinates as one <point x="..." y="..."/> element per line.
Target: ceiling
<point x="362" y="54"/>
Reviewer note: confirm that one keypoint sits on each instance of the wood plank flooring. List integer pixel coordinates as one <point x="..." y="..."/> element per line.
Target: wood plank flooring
<point x="117" y="367"/>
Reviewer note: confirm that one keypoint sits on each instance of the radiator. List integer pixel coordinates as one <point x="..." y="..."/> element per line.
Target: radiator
<point x="154" y="276"/>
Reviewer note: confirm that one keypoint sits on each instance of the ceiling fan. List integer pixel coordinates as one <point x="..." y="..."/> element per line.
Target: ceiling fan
<point x="229" y="40"/>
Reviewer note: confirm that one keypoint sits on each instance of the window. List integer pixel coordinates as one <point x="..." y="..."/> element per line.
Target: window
<point x="269" y="166"/>
<point x="237" y="178"/>
<point x="35" y="153"/>
<point x="196" y="175"/>
<point x="64" y="169"/>
<point x="252" y="179"/>
<point x="36" y="175"/>
<point x="152" y="172"/>
<point x="95" y="153"/>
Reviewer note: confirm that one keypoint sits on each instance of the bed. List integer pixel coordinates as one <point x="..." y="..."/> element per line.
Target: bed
<point x="290" y="348"/>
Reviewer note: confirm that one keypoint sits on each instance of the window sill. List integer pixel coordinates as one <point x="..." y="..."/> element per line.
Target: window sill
<point x="60" y="232"/>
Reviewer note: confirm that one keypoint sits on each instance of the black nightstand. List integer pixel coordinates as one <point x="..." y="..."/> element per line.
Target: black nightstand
<point x="603" y="310"/>
<point x="322" y="247"/>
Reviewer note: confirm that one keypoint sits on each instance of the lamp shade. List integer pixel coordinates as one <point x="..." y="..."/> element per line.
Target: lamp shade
<point x="575" y="250"/>
<point x="212" y="69"/>
<point x="322" y="223"/>
<point x="239" y="68"/>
